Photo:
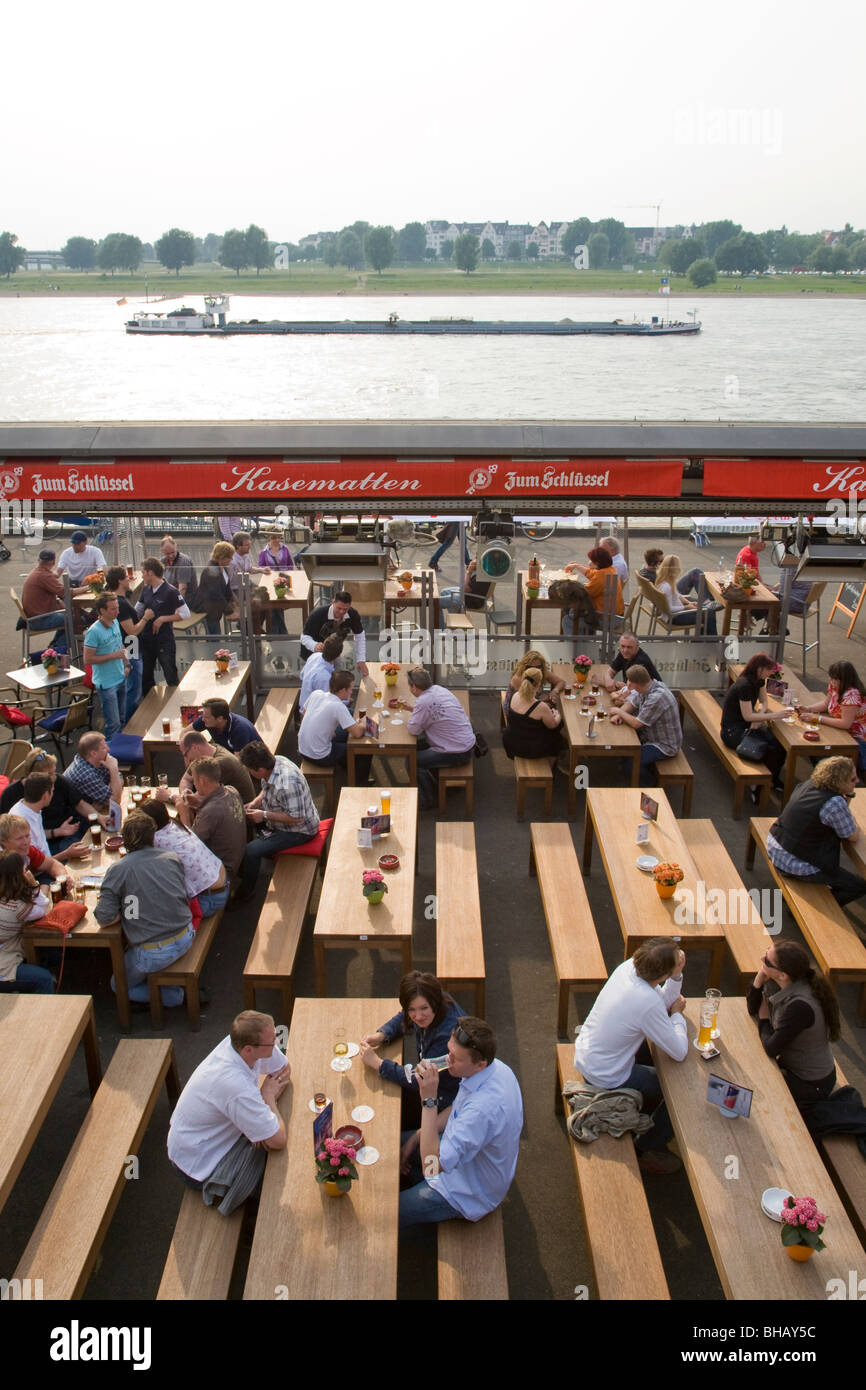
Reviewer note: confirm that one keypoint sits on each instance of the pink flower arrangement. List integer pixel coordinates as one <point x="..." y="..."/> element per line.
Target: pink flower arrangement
<point x="374" y="882"/>
<point x="583" y="663"/>
<point x="50" y="657"/>
<point x="222" y="655"/>
<point x="802" y="1222"/>
<point x="336" y="1154"/>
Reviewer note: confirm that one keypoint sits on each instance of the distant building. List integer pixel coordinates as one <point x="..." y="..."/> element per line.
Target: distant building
<point x="548" y="238"/>
<point x="44" y="260"/>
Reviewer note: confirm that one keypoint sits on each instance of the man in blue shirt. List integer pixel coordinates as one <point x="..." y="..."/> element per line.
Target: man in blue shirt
<point x="467" y="1154"/>
<point x="156" y="642"/>
<point x="318" y="669"/>
<point x="229" y="730"/>
<point x="104" y="651"/>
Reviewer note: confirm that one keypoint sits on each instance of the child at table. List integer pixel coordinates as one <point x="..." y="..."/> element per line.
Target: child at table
<point x="20" y="901"/>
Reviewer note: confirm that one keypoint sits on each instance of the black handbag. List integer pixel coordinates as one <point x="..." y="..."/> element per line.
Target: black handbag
<point x="752" y="747"/>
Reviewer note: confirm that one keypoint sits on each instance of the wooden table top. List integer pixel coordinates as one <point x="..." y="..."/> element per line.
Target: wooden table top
<point x="315" y="1246"/>
<point x="296" y="597"/>
<point x="200" y="682"/>
<point x="343" y="910"/>
<point x="134" y="584"/>
<point x="608" y="735"/>
<point x="547" y="578"/>
<point x="394" y="735"/>
<point x="789" y="676"/>
<point x="38" y="1036"/>
<point x="857" y="851"/>
<point x="761" y="598"/>
<point x="615" y="815"/>
<point x="772" y="1148"/>
<point x="395" y="593"/>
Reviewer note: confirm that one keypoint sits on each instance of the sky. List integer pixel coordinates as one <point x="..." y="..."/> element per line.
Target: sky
<point x="304" y="119"/>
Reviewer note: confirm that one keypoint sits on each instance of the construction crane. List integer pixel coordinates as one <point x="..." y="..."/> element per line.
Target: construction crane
<point x="624" y="207"/>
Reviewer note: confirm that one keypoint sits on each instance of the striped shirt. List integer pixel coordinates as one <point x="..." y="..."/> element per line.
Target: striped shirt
<point x="286" y="790"/>
<point x="656" y="708"/>
<point x="834" y="814"/>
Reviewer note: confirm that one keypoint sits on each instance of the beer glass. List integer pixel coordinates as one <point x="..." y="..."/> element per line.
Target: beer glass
<point x="708" y="1013"/>
<point x="341" y="1047"/>
<point x="385" y="802"/>
<point x="166" y="728"/>
<point x="715" y="997"/>
<point x="56" y="891"/>
<point x="95" y="834"/>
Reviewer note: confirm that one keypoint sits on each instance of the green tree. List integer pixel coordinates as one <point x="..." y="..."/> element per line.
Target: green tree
<point x="684" y="252"/>
<point x="714" y="233"/>
<point x="576" y="234"/>
<point x="11" y="254"/>
<point x="79" y="253"/>
<point x="532" y="251"/>
<point x="412" y="241"/>
<point x="744" y="253"/>
<point x="120" y="251"/>
<point x="331" y="253"/>
<point x="514" y="251"/>
<point x="208" y="248"/>
<point x="841" y="258"/>
<point x="430" y="253"/>
<point x="598" y="251"/>
<point x="702" y="272"/>
<point x="466" y="252"/>
<point x="234" y="252"/>
<point x="259" y="249"/>
<point x="175" y="249"/>
<point x="446" y="250"/>
<point x="615" y="232"/>
<point x="857" y="252"/>
<point x="380" y="248"/>
<point x="349" y="249"/>
<point x="488" y="250"/>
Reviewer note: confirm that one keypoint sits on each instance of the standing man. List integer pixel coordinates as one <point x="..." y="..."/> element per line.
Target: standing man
<point x="179" y="568"/>
<point x="118" y="582"/>
<point x="318" y="669"/>
<point x="229" y="730"/>
<point x="465" y="1156"/>
<point x="225" y="1122"/>
<point x="157" y="639"/>
<point x="80" y="559"/>
<point x="439" y="722"/>
<point x="104" y="651"/>
<point x="340" y="617"/>
<point x="652" y="710"/>
<point x="284" y="810"/>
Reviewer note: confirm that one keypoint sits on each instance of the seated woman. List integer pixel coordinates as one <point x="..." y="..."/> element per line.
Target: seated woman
<point x="534" y="659"/>
<point x="276" y="554"/>
<point x="20" y="901"/>
<point x="215" y="597"/>
<point x="683" y="611"/>
<point x="534" y="728"/>
<point x="843" y="707"/>
<point x="205" y="874"/>
<point x="64" y="819"/>
<point x="597" y="579"/>
<point x="434" y="1015"/>
<point x="745" y="710"/>
<point x="798" y="1017"/>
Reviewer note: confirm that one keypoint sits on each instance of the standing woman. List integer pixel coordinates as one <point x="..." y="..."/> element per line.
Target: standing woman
<point x="844" y="706"/>
<point x="746" y="711"/>
<point x="20" y="901"/>
<point x="433" y="1015"/>
<point x="798" y="1018"/>
<point x="215" y="597"/>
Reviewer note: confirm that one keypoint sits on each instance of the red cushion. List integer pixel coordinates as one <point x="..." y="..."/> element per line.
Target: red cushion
<point x="4" y="783"/>
<point x="11" y="715"/>
<point x="314" y="846"/>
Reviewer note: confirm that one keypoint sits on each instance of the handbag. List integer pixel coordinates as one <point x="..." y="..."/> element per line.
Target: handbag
<point x="482" y="747"/>
<point x="62" y="917"/>
<point x="752" y="747"/>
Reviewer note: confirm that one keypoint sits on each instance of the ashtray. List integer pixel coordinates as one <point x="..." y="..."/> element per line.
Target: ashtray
<point x="646" y="862"/>
<point x="811" y="735"/>
<point x="350" y="1134"/>
<point x="772" y="1201"/>
<point x="394" y="704"/>
<point x="388" y="862"/>
<point x="590" y="700"/>
<point x="114" y="842"/>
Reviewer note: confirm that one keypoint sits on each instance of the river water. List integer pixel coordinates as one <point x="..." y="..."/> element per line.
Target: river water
<point x="756" y="359"/>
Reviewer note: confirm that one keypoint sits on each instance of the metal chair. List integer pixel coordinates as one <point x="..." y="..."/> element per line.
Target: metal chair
<point x="60" y="723"/>
<point x="811" y="608"/>
<point x="23" y="625"/>
<point x="662" y="611"/>
<point x="497" y="617"/>
<point x="16" y="752"/>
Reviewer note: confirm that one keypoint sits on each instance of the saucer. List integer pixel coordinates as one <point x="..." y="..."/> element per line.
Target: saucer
<point x="646" y="862"/>
<point x="772" y="1201"/>
<point x="367" y="1156"/>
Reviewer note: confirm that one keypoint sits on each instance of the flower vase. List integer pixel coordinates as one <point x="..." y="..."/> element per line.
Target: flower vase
<point x="376" y="896"/>
<point x="581" y="677"/>
<point x="222" y="667"/>
<point x="52" y="669"/>
<point x="665" y="890"/>
<point x="333" y="1190"/>
<point x="800" y="1252"/>
<point x="532" y="591"/>
<point x="280" y="591"/>
<point x="391" y="678"/>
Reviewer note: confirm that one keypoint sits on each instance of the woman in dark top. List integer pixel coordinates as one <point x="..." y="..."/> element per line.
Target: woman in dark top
<point x="64" y="823"/>
<point x="745" y="710"/>
<point x="215" y="597"/>
<point x="533" y="728"/>
<point x="798" y="1018"/>
<point x="434" y="1015"/>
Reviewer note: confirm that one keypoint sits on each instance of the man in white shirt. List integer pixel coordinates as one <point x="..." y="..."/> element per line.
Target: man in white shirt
<point x="318" y="669"/>
<point x="327" y="725"/>
<point x="80" y="559"/>
<point x="224" y="1121"/>
<point x="611" y="545"/>
<point x="641" y="1002"/>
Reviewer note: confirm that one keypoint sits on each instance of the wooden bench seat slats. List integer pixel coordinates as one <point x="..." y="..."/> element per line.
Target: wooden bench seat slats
<point x="325" y="777"/>
<point x="677" y="772"/>
<point x="577" y="955"/>
<point x="148" y="710"/>
<point x="275" y="716"/>
<point x="471" y="1260"/>
<point x="272" y="955"/>
<point x="459" y="939"/>
<point x="202" y="1252"/>
<point x="747" y="939"/>
<point x="707" y="715"/>
<point x="844" y="1162"/>
<point x="461" y="775"/>
<point x="185" y="971"/>
<point x="531" y="773"/>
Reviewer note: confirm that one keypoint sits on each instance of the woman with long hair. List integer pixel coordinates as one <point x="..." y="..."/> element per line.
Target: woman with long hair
<point x="533" y="727"/>
<point x="433" y="1015"/>
<point x="215" y="597"/>
<point x="535" y="659"/>
<point x="798" y="1018"/>
<point x="745" y="711"/>
<point x="683" y="611"/>
<point x="844" y="706"/>
<point x="20" y="901"/>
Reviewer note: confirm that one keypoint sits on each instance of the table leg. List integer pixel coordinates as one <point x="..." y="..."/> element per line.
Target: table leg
<point x="406" y="953"/>
<point x="412" y="764"/>
<point x="250" y="703"/>
<point x="790" y="773"/>
<point x="321" y="973"/>
<point x="726" y="621"/>
<point x="635" y="769"/>
<point x="717" y="956"/>
<point x="572" y="790"/>
<point x="588" y="830"/>
<point x="121" y="989"/>
<point x="530" y="606"/>
<point x="91" y="1053"/>
<point x="350" y="762"/>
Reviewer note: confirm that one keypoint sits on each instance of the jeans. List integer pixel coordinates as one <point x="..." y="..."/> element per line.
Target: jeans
<point x="133" y="685"/>
<point x="844" y="885"/>
<point x="58" y="846"/>
<point x="212" y="902"/>
<point x="427" y="758"/>
<point x="265" y="847"/>
<point x="773" y="755"/>
<point x="113" y="701"/>
<point x="437" y="554"/>
<point x="167" y="658"/>
<point x="141" y="963"/>
<point x="649" y="753"/>
<point x="41" y="980"/>
<point x="277" y="622"/>
<point x="688" y="583"/>
<point x="645" y="1079"/>
<point x="687" y="616"/>
<point x="46" y="622"/>
<point x="213" y="626"/>
<point x="337" y="757"/>
<point x="422" y="1204"/>
<point x="807" y="1093"/>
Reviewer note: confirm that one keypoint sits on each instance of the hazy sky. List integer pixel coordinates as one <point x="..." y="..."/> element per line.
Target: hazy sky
<point x="304" y="118"/>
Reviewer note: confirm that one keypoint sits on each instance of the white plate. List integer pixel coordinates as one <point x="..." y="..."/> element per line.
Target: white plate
<point x="395" y="719"/>
<point x="362" y="1114"/>
<point x="646" y="862"/>
<point x="341" y="1064"/>
<point x="367" y="1156"/>
<point x="772" y="1199"/>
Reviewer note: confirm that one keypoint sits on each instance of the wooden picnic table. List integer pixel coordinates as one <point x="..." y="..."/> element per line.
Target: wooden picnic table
<point x="345" y="919"/>
<point x="308" y="1245"/>
<point x="612" y="816"/>
<point x="38" y="1036"/>
<point x="396" y="596"/>
<point x="298" y="596"/>
<point x="394" y="739"/>
<point x="528" y="605"/>
<point x="611" y="740"/>
<point x="772" y="1148"/>
<point x="202" y="681"/>
<point x="761" y="598"/>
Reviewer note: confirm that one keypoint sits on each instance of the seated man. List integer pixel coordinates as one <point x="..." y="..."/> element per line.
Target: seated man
<point x="217" y="814"/>
<point x="93" y="772"/>
<point x="475" y="593"/>
<point x="806" y="839"/>
<point x="194" y="744"/>
<point x="42" y="595"/>
<point x="224" y="1123"/>
<point x="15" y="839"/>
<point x="206" y="877"/>
<point x="229" y="730"/>
<point x="630" y="653"/>
<point x="464" y="1156"/>
<point x="748" y="557"/>
<point x="327" y="725"/>
<point x="146" y="892"/>
<point x="284" y="809"/>
<point x="318" y="669"/>
<point x="641" y="1002"/>
<point x="439" y="722"/>
<point x="611" y="545"/>
<point x="340" y="617"/>
<point x="652" y="710"/>
<point x="79" y="559"/>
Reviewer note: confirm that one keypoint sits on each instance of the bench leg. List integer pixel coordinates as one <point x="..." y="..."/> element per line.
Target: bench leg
<point x="717" y="956"/>
<point x="739" y="792"/>
<point x="587" y="843"/>
<point x="562" y="1008"/>
<point x="688" y="788"/>
<point x="288" y="994"/>
<point x="521" y="800"/>
<point x="480" y="997"/>
<point x="548" y="797"/>
<point x="193" y="1004"/>
<point x="156" y="1015"/>
<point x="442" y="793"/>
<point x="121" y="988"/>
<point x="751" y="845"/>
<point x="321" y="981"/>
<point x="764" y="798"/>
<point x="172" y="1081"/>
<point x="249" y="995"/>
<point x="470" y="806"/>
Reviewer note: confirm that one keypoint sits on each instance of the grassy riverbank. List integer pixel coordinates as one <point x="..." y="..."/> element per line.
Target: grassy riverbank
<point x="314" y="278"/>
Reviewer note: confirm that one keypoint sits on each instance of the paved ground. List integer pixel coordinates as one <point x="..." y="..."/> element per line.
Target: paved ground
<point x="547" y="1254"/>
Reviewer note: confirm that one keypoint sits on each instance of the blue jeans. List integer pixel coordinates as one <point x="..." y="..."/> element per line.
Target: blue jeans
<point x="141" y="963"/>
<point x="687" y="616"/>
<point x="645" y="1079"/>
<point x="113" y="701"/>
<point x="427" y="758"/>
<point x="422" y="1204"/>
<point x="41" y="980"/>
<point x="437" y="554"/>
<point x="277" y="622"/>
<point x="689" y="582"/>
<point x="265" y="847"/>
<point x="649" y="753"/>
<point x="133" y="686"/>
<point x="212" y="902"/>
<point x="46" y="622"/>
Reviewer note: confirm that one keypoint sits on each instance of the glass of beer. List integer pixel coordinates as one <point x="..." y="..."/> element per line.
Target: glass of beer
<point x="341" y="1047"/>
<point x="96" y="834"/>
<point x="166" y="728"/>
<point x="594" y="687"/>
<point x="377" y="695"/>
<point x="320" y="1098"/>
<point x="385" y="802"/>
<point x="162" y="778"/>
<point x="601" y="714"/>
<point x="129" y="571"/>
<point x="136" y="797"/>
<point x="715" y="998"/>
<point x="80" y="893"/>
<point x="57" y="890"/>
<point x="708" y="1013"/>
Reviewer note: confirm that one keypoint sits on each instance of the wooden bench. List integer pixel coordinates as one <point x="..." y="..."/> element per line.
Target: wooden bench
<point x="148" y="710"/>
<point x="577" y="958"/>
<point x="619" y="1230"/>
<point x="707" y="715"/>
<point x="325" y="777"/>
<point x="830" y="935"/>
<point x="63" y="1248"/>
<point x="461" y="775"/>
<point x="459" y="939"/>
<point x="677" y="772"/>
<point x="275" y="716"/>
<point x="471" y="1260"/>
<point x="202" y="1253"/>
<point x="272" y="955"/>
<point x="846" y="1167"/>
<point x="185" y="971"/>
<point x="747" y="939"/>
<point x="533" y="772"/>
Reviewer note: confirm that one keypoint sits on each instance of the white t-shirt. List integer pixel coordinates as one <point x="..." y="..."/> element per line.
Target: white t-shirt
<point x="621" y="568"/>
<point x="628" y="1010"/>
<point x="324" y="715"/>
<point x="220" y="1102"/>
<point x="38" y="838"/>
<point x="79" y="566"/>
<point x="675" y="603"/>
